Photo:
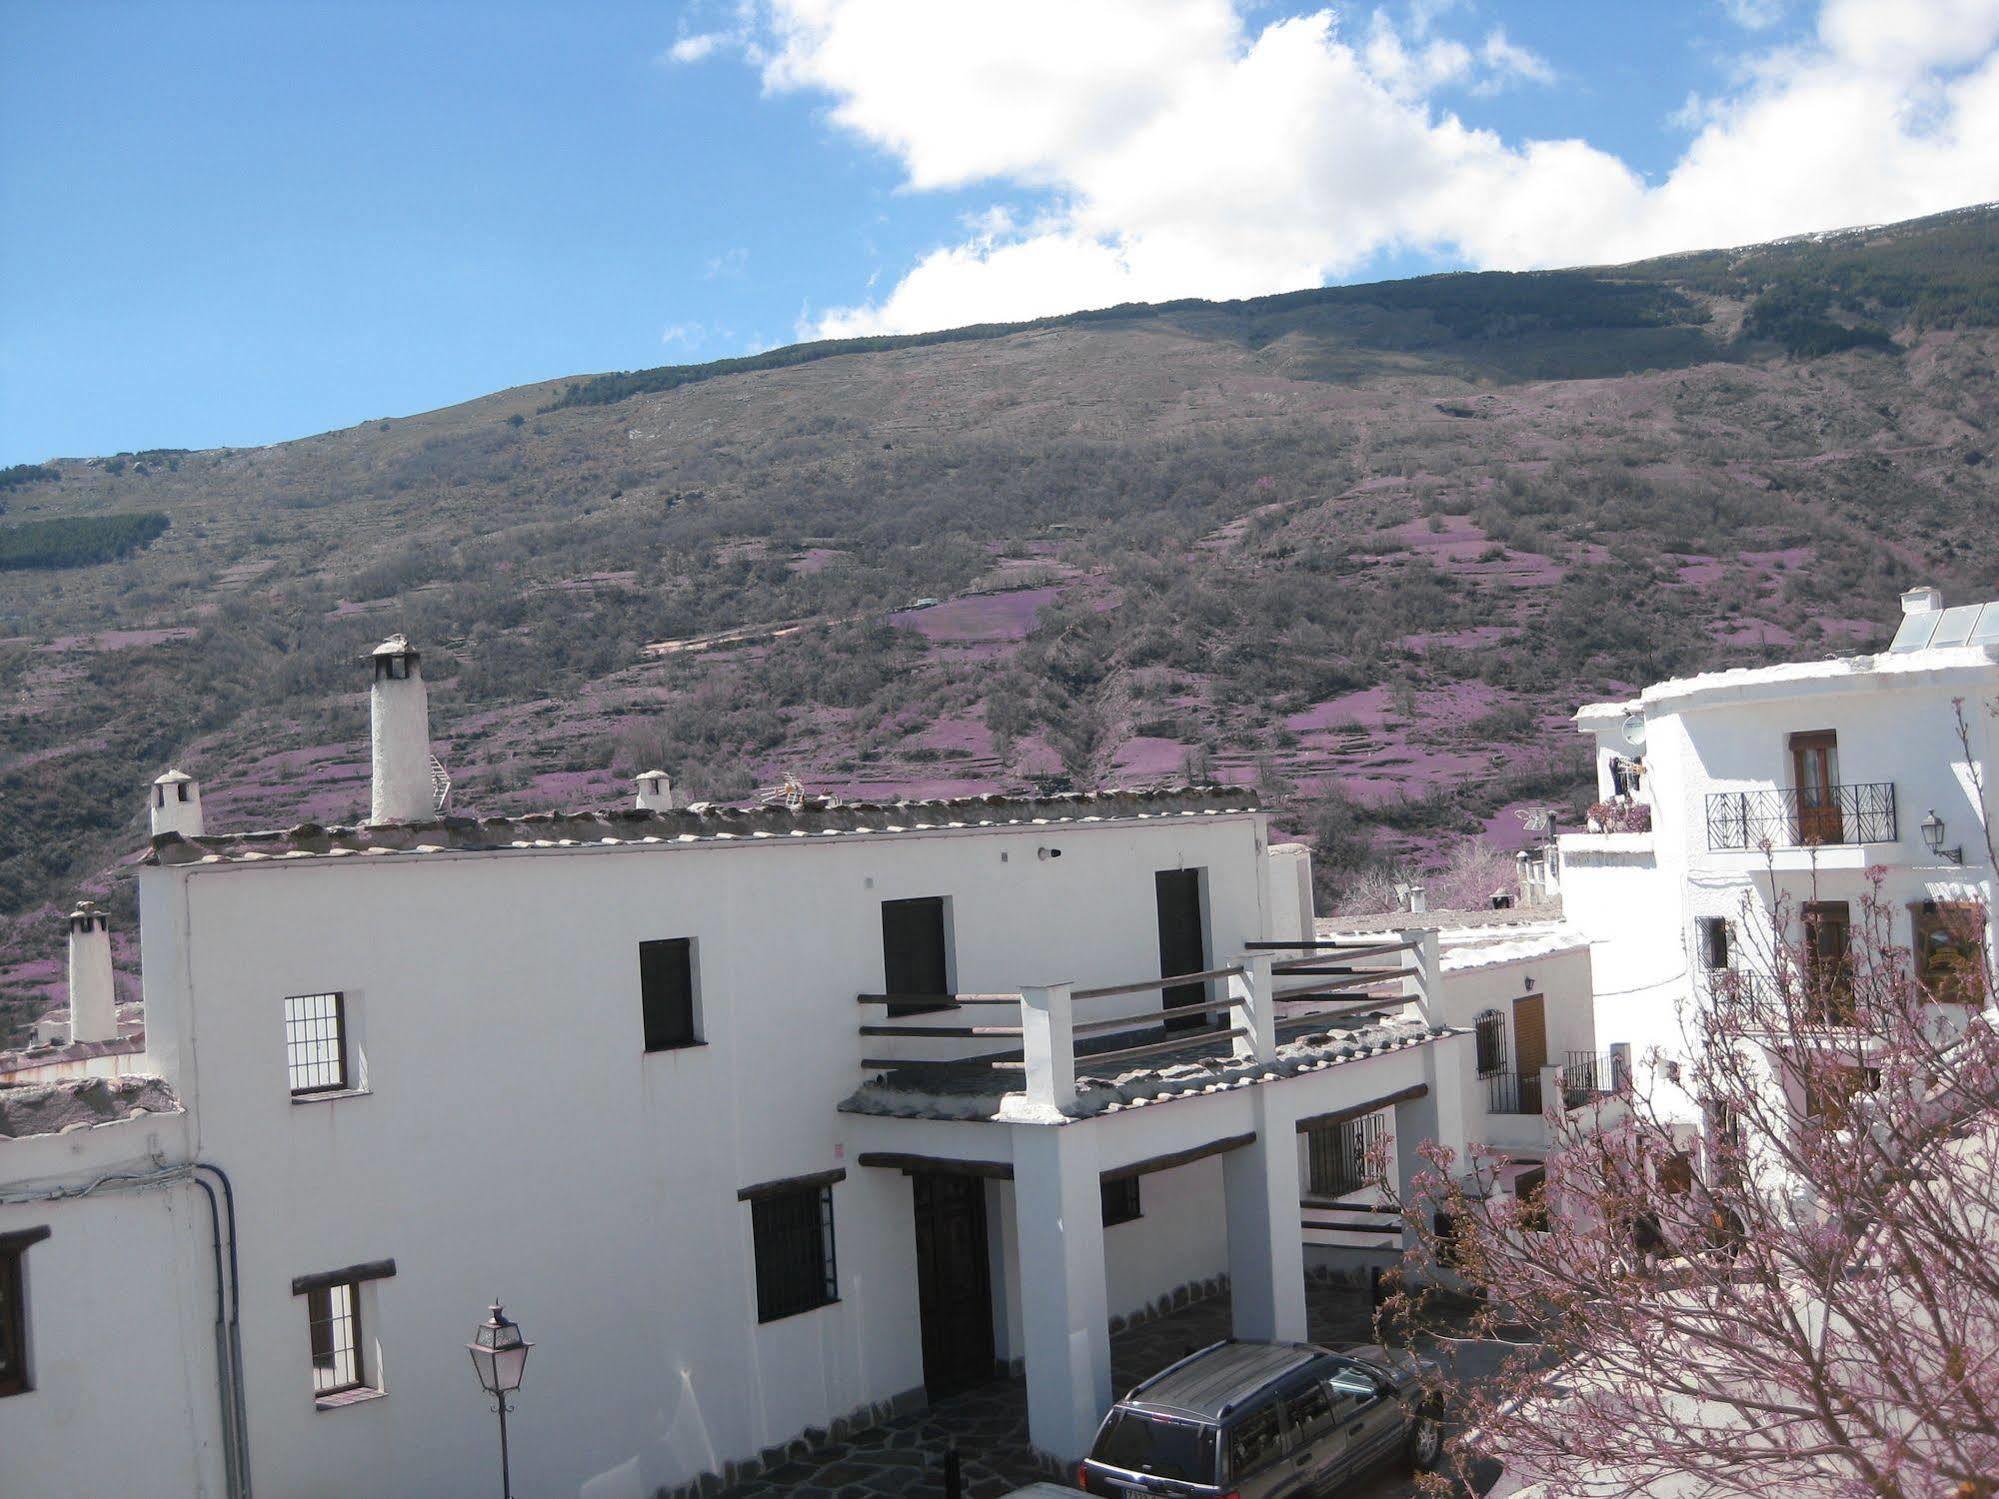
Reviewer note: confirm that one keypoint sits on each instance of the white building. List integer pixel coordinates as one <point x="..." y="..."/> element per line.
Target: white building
<point x="1802" y="779"/>
<point x="762" y="1122"/>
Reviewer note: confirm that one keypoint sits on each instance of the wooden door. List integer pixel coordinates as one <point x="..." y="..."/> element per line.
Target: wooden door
<point x="953" y="1281"/>
<point x="1828" y="961"/>
<point x="1530" y="1044"/>
<point x="1815" y="769"/>
<point x="1183" y="942"/>
<point x="915" y="957"/>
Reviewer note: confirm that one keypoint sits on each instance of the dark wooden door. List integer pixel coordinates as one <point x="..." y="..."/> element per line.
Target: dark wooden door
<point x="1183" y="941"/>
<point x="915" y="959"/>
<point x="1530" y="1044"/>
<point x="1816" y="772"/>
<point x="1828" y="962"/>
<point x="953" y="1281"/>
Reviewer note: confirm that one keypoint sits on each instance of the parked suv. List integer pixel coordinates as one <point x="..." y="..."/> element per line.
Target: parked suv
<point x="1263" y="1421"/>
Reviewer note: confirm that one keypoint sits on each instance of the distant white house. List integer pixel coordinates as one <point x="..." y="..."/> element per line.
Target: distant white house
<point x="1812" y="778"/>
<point x="763" y="1122"/>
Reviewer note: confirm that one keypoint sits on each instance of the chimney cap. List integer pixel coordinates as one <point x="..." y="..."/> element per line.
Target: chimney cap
<point x="172" y="778"/>
<point x="87" y="912"/>
<point x="396" y="645"/>
<point x="651" y="775"/>
<point x="1925" y="600"/>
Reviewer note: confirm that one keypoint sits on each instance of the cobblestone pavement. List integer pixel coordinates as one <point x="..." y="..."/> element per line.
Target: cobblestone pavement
<point x="903" y="1458"/>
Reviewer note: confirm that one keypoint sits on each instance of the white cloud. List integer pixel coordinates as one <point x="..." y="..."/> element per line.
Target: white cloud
<point x="1183" y="151"/>
<point x="698" y="47"/>
<point x="688" y="335"/>
<point x="1755" y="15"/>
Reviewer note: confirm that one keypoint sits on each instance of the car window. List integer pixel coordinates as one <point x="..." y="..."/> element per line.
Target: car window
<point x="1154" y="1444"/>
<point x="1309" y="1413"/>
<point x="1351" y="1390"/>
<point x="1255" y="1440"/>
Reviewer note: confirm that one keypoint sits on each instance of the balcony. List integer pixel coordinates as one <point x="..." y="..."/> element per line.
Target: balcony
<point x="1790" y="817"/>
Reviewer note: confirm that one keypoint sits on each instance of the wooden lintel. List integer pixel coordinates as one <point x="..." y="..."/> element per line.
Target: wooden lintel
<point x="791" y="1184"/>
<point x="943" y="1165"/>
<point x="1179" y="1157"/>
<point x="320" y="1280"/>
<point x="21" y="1238"/>
<point x="1341" y="1116"/>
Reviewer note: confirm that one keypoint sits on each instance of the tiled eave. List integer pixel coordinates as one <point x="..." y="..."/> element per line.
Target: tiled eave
<point x="698" y="824"/>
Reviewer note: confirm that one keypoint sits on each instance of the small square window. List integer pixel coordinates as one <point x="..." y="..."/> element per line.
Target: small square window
<point x="666" y="990"/>
<point x="316" y="1043"/>
<point x="1121" y="1203"/>
<point x="333" y="1314"/>
<point x="793" y="1232"/>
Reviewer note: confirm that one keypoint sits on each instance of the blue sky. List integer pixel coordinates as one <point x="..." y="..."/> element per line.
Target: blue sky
<point x="238" y="223"/>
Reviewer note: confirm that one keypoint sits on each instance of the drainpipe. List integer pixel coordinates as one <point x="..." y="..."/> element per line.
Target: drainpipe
<point x="224" y="1364"/>
<point x="237" y="1405"/>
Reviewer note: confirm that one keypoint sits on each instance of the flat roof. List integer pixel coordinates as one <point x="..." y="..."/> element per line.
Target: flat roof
<point x="700" y="823"/>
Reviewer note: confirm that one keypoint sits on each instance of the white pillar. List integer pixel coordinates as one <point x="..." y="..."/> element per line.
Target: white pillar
<point x="93" y="1005"/>
<point x="1266" y="1241"/>
<point x="1065" y="1312"/>
<point x="399" y="716"/>
<point x="176" y="805"/>
<point x="1440" y="1115"/>
<point x="1421" y="982"/>
<point x="655" y="791"/>
<point x="1251" y="1009"/>
<point x="1048" y="1047"/>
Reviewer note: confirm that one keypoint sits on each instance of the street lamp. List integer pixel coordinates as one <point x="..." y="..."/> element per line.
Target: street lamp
<point x="499" y="1356"/>
<point x="1933" y="836"/>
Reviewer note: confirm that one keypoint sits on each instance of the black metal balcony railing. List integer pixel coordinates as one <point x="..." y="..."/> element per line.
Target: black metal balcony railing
<point x="1587" y="1075"/>
<point x="1818" y="996"/>
<point x="1795" y="818"/>
<point x="1512" y="1092"/>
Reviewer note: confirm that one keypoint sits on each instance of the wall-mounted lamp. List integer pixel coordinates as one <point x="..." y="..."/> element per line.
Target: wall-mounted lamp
<point x="1933" y="836"/>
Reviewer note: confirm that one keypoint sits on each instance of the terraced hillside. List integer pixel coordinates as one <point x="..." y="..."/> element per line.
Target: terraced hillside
<point x="1367" y="546"/>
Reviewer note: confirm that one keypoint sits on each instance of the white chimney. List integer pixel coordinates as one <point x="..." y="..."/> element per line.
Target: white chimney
<point x="1413" y="898"/>
<point x="655" y="791"/>
<point x="399" y="717"/>
<point x="93" y="1007"/>
<point x="177" y="805"/>
<point x="1925" y="600"/>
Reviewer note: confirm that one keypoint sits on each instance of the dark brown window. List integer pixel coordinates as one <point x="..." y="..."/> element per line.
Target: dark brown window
<point x="1815" y="770"/>
<point x="1490" y="1031"/>
<point x="1530" y="1190"/>
<point x="666" y="993"/>
<point x="1714" y="945"/>
<point x="1830" y="1088"/>
<point x="333" y="1317"/>
<point x="1337" y="1155"/>
<point x="316" y="1042"/>
<point x="1121" y="1203"/>
<point x="14" y="1310"/>
<point x="916" y="953"/>
<point x="1949" y="942"/>
<point x="796" y="1270"/>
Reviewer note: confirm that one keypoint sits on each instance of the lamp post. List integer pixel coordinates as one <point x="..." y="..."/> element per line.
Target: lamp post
<point x="499" y="1356"/>
<point x="1933" y="836"/>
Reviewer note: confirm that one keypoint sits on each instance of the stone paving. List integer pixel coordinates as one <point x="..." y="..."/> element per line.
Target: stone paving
<point x="904" y="1458"/>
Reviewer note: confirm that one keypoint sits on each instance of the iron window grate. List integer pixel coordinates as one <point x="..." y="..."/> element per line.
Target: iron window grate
<point x="334" y="1315"/>
<point x="796" y="1270"/>
<point x="316" y="1042"/>
<point x="1337" y="1154"/>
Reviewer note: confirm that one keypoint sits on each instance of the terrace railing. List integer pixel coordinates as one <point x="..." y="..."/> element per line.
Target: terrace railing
<point x="1036" y="1032"/>
<point x="1794" y="817"/>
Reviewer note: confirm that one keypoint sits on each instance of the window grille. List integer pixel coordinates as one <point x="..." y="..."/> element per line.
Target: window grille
<point x="1121" y="1203"/>
<point x="1714" y="945"/>
<point x="1338" y="1154"/>
<point x="316" y="1043"/>
<point x="796" y="1270"/>
<point x="1490" y="1032"/>
<point x="666" y="993"/>
<point x="333" y="1314"/>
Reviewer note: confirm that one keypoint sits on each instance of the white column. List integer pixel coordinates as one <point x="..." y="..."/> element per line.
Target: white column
<point x="1421" y="985"/>
<point x="1440" y="1115"/>
<point x="1250" y="1008"/>
<point x="93" y="1003"/>
<point x="1065" y="1313"/>
<point x="399" y="722"/>
<point x="1048" y="1047"/>
<point x="1266" y="1242"/>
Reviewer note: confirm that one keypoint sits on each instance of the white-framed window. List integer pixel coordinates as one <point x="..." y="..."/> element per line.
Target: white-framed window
<point x="316" y="1043"/>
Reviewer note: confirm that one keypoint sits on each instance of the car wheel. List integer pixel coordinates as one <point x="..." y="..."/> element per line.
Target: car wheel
<point x="1426" y="1438"/>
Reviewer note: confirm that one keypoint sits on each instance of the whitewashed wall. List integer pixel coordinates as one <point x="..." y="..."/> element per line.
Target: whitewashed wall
<point x="121" y="1310"/>
<point x="516" y="1141"/>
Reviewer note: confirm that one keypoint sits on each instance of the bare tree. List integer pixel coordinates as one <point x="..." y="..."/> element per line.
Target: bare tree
<point x="1797" y="1295"/>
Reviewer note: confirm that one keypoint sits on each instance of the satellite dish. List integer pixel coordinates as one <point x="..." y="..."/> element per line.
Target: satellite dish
<point x="1634" y="729"/>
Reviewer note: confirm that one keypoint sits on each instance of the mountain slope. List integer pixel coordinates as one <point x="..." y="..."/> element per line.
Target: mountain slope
<point x="1369" y="545"/>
